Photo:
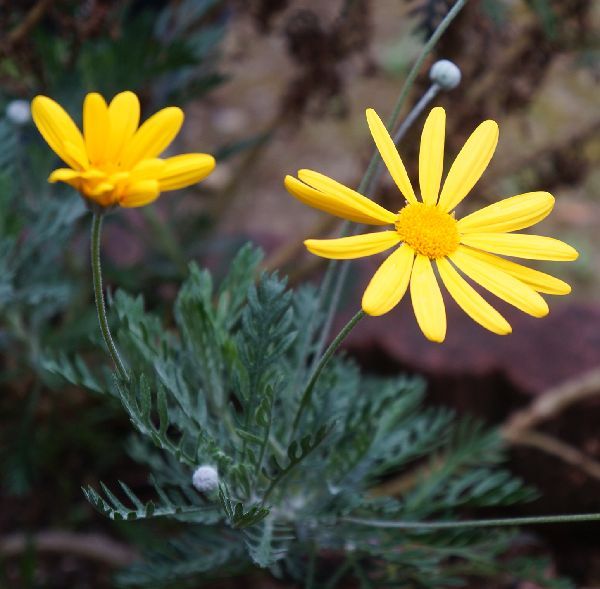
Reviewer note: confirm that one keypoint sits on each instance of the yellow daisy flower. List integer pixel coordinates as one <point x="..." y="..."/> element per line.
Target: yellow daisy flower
<point x="114" y="162"/>
<point x="430" y="237"/>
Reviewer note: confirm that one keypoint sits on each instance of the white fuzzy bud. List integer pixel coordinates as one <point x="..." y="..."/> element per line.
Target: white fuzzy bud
<point x="205" y="479"/>
<point x="445" y="74"/>
<point x="18" y="112"/>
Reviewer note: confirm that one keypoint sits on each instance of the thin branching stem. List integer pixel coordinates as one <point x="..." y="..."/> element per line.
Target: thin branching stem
<point x="427" y="49"/>
<point x="99" y="296"/>
<point x="335" y="344"/>
<point x="477" y="523"/>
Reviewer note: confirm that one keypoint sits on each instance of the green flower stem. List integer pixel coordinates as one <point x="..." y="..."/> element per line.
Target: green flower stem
<point x="415" y="112"/>
<point x="335" y="344"/>
<point x="478" y="523"/>
<point x="99" y="296"/>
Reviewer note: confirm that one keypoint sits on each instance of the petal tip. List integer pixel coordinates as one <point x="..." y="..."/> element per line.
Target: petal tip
<point x="290" y="182"/>
<point x="372" y="117"/>
<point x="303" y="173"/>
<point x="177" y="112"/>
<point x="93" y="96"/>
<point x="211" y="162"/>
<point x="309" y="244"/>
<point x="40" y="106"/>
<point x="128" y="93"/>
<point x="40" y="99"/>
<point x="492" y="127"/>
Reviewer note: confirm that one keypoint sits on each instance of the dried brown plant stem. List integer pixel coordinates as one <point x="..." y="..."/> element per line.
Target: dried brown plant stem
<point x="553" y="402"/>
<point x="96" y="547"/>
<point x="558" y="449"/>
<point x="519" y="430"/>
<point x="20" y="32"/>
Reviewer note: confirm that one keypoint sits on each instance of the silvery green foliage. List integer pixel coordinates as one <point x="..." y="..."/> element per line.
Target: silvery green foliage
<point x="33" y="231"/>
<point x="40" y="296"/>
<point x="221" y="388"/>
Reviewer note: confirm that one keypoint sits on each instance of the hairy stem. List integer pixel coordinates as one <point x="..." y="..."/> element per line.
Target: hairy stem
<point x="99" y="296"/>
<point x="478" y="523"/>
<point x="335" y="344"/>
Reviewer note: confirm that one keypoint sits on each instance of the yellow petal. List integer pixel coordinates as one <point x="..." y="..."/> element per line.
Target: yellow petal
<point x="469" y="165"/>
<point x="66" y="175"/>
<point x="431" y="155"/>
<point x="72" y="177"/>
<point x="539" y="281"/>
<point x="77" y="155"/>
<point x="530" y="247"/>
<point x="389" y="283"/>
<point x="63" y="175"/>
<point x="510" y="214"/>
<point x="153" y="137"/>
<point x="390" y="156"/>
<point x="184" y="170"/>
<point x="427" y="300"/>
<point x="140" y="193"/>
<point x="356" y="246"/>
<point x="124" y="115"/>
<point x="500" y="283"/>
<point x="147" y="170"/>
<point x="330" y="186"/>
<point x="93" y="174"/>
<point x="99" y="191"/>
<point x="57" y="127"/>
<point x="96" y="127"/>
<point x="470" y="301"/>
<point x="339" y="204"/>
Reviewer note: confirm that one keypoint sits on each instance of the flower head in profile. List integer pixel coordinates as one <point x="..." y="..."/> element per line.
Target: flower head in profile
<point x="429" y="240"/>
<point x="115" y="161"/>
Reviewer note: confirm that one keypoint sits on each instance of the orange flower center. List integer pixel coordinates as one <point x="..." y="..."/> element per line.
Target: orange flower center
<point x="429" y="231"/>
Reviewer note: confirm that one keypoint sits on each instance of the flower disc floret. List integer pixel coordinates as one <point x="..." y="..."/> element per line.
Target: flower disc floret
<point x="427" y="230"/>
